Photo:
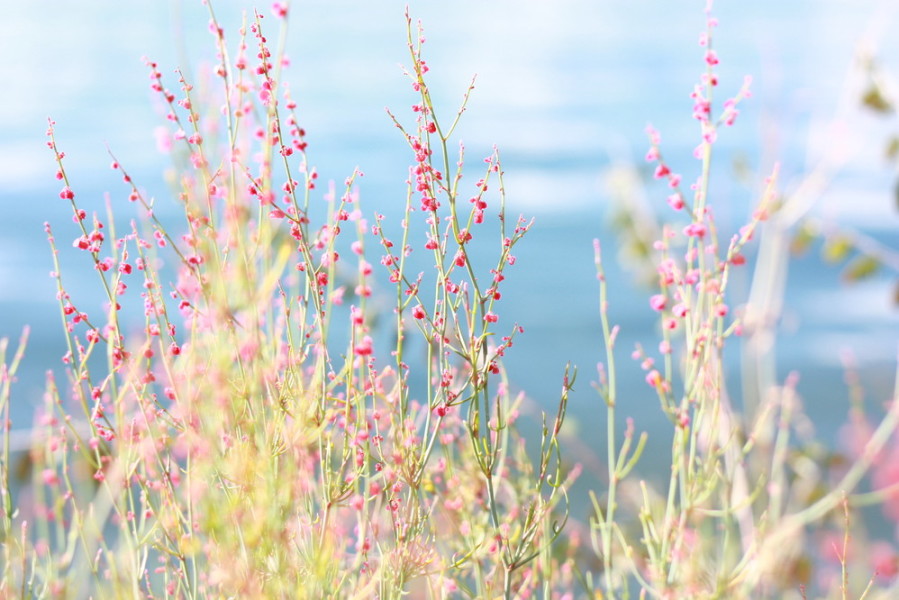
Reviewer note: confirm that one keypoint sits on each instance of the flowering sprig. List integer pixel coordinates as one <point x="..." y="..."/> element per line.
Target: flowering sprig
<point x="722" y="478"/>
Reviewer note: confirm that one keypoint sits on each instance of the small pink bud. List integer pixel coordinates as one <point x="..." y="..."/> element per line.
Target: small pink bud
<point x="695" y="230"/>
<point x="50" y="477"/>
<point x="654" y="378"/>
<point x="657" y="302"/>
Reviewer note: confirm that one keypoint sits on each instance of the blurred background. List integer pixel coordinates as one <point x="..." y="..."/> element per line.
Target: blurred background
<point x="565" y="90"/>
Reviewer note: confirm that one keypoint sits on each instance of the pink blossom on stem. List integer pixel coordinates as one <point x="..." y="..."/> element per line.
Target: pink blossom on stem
<point x="695" y="230"/>
<point x="279" y="10"/>
<point x="654" y="379"/>
<point x="364" y="347"/>
<point x="50" y="477"/>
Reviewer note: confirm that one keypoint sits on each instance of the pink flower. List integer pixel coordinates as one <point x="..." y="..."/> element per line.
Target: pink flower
<point x="657" y="302"/>
<point x="695" y="230"/>
<point x="654" y="378"/>
<point x="884" y="559"/>
<point x="50" y="477"/>
<point x="363" y="348"/>
<point x="279" y="10"/>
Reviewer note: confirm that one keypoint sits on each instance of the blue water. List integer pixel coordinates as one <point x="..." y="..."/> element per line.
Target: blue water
<point x="565" y="90"/>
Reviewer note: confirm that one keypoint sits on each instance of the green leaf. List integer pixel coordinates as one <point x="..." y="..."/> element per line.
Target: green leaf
<point x="802" y="239"/>
<point x="874" y="99"/>
<point x="861" y="267"/>
<point x="892" y="149"/>
<point x="836" y="249"/>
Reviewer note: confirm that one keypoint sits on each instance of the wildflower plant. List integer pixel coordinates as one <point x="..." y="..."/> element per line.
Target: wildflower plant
<point x="246" y="440"/>
<point x="733" y="520"/>
<point x="261" y="433"/>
